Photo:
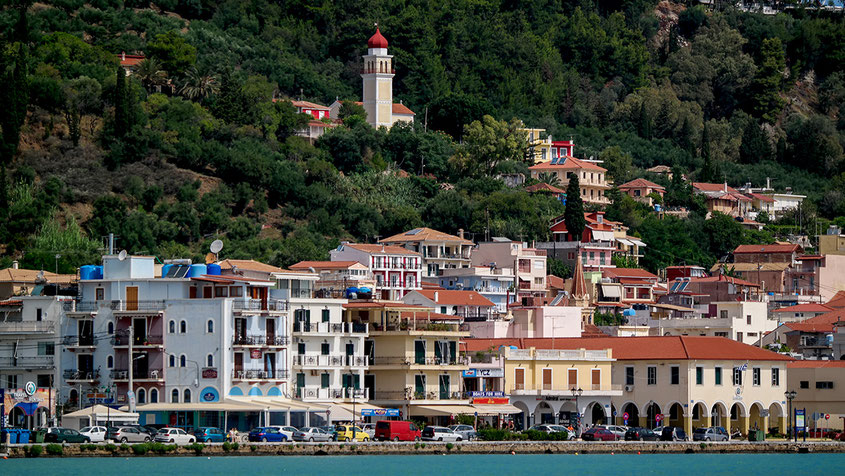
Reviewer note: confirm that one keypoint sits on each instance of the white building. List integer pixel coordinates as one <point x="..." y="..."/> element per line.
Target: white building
<point x="742" y="321"/>
<point x="529" y="264"/>
<point x="397" y="271"/>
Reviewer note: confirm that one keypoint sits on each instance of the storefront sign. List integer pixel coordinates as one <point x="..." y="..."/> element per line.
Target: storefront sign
<point x="799" y="418"/>
<point x="255" y="354"/>
<point x="209" y="394"/>
<point x="491" y="401"/>
<point x="389" y="412"/>
<point x="30" y="389"/>
<point x="486" y="394"/>
<point x="209" y="373"/>
<point x="28" y="399"/>
<point x="483" y="373"/>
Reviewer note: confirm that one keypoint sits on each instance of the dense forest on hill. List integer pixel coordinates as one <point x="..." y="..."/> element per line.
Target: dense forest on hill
<point x="717" y="95"/>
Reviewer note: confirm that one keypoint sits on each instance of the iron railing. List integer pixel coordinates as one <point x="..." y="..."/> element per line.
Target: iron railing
<point x="149" y="374"/>
<point x="260" y="340"/>
<point x="260" y="305"/>
<point x="81" y="375"/>
<point x="27" y="362"/>
<point x="122" y="339"/>
<point x="260" y="374"/>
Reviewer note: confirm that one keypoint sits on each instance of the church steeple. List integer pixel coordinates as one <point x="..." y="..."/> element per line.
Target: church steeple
<point x="378" y="82"/>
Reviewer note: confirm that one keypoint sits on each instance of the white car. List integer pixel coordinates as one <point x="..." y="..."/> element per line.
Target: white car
<point x="440" y="433"/>
<point x="174" y="435"/>
<point x="369" y="429"/>
<point x="96" y="433"/>
<point x="288" y="431"/>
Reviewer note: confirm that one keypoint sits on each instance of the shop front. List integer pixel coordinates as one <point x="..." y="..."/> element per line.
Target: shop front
<point x="29" y="407"/>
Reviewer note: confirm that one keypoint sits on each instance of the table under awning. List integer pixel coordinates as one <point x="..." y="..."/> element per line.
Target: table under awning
<point x="441" y="410"/>
<point x="488" y="410"/>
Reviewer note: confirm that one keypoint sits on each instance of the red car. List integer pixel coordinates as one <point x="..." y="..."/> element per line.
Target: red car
<point x="598" y="434"/>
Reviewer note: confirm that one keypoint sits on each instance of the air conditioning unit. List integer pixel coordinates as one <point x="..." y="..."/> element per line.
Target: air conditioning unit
<point x="629" y="388"/>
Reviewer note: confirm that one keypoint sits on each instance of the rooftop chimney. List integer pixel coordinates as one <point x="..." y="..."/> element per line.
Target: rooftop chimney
<point x="123" y="56"/>
<point x="15" y="264"/>
<point x="726" y="187"/>
<point x="461" y="233"/>
<point x="436" y="296"/>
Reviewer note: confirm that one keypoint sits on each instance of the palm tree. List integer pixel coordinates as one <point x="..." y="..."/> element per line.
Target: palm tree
<point x="197" y="85"/>
<point x="150" y="74"/>
<point x="549" y="178"/>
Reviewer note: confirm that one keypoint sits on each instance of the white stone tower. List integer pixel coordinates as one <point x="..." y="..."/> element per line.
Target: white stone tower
<point x="378" y="82"/>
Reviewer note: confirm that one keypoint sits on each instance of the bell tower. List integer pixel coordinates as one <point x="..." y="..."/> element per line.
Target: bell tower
<point x="377" y="74"/>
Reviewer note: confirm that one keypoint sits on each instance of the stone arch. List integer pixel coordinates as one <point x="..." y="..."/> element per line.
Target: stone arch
<point x="777" y="417"/>
<point x="651" y="410"/>
<point x="738" y="410"/>
<point x="719" y="415"/>
<point x="520" y="418"/>
<point x="544" y="413"/>
<point x="596" y="414"/>
<point x="700" y="415"/>
<point x="674" y="415"/>
<point x="755" y="416"/>
<point x="633" y="412"/>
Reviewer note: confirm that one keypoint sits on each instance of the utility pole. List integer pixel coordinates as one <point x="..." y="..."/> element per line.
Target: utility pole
<point x="131" y="363"/>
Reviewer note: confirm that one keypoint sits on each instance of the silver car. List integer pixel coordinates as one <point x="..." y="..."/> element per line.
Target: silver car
<point x="311" y="434"/>
<point x="370" y="429"/>
<point x="710" y="434"/>
<point x="467" y="432"/>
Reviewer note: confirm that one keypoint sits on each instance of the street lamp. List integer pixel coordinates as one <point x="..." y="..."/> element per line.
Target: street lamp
<point x="576" y="392"/>
<point x="790" y="395"/>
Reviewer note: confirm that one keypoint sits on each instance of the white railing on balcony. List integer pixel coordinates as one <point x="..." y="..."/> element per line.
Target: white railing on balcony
<point x="21" y="327"/>
<point x="575" y="354"/>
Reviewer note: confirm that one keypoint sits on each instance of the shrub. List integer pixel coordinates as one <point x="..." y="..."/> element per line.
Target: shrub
<point x="55" y="449"/>
<point x="34" y="451"/>
<point x="124" y="447"/>
<point x="703" y="445"/>
<point x="111" y="447"/>
<point x="449" y="446"/>
<point x="416" y="446"/>
<point x="253" y="448"/>
<point x="235" y="446"/>
<point x="196" y="447"/>
<point x="227" y="447"/>
<point x="140" y="449"/>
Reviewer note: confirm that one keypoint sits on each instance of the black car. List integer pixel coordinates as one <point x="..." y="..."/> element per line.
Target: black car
<point x="673" y="433"/>
<point x="640" y="434"/>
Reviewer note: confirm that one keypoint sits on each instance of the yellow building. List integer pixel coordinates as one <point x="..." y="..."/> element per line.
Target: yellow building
<point x="818" y="385"/>
<point x="414" y="360"/>
<point x="540" y="143"/>
<point x="592" y="178"/>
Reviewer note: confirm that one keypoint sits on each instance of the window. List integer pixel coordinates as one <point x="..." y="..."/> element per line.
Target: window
<point x="739" y="336"/>
<point x="235" y="291"/>
<point x="186" y="395"/>
<point x="39" y="313"/>
<point x="775" y="377"/>
<point x="141" y="396"/>
<point x="572" y="377"/>
<point x="11" y="381"/>
<point x="629" y="376"/>
<point x="300" y="348"/>
<point x="824" y="385"/>
<point x="325" y="315"/>
<point x="595" y="375"/>
<point x="43" y="380"/>
<point x="755" y="376"/>
<point x="324" y="348"/>
<point x="172" y="361"/>
<point x="675" y="375"/>
<point x="652" y="375"/>
<point x="110" y="362"/>
<point x="209" y="360"/>
<point x="699" y="375"/>
<point x="547" y="379"/>
<point x="183" y="360"/>
<point x="153" y="395"/>
<point x="171" y="327"/>
<point x="723" y="314"/>
<point x="748" y="319"/>
<point x="100" y="294"/>
<point x="737" y="376"/>
<point x="324" y="380"/>
<point x="110" y="328"/>
<point x="804" y="384"/>
<point x="46" y="348"/>
<point x="174" y="396"/>
<point x="209" y="326"/>
<point x="183" y="327"/>
<point x="221" y="291"/>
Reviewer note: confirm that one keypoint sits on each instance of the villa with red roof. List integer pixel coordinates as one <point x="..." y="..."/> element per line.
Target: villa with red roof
<point x="469" y="305"/>
<point x="591" y="177"/>
<point x="800" y="312"/>
<point x="396" y="270"/>
<point x="723" y="199"/>
<point x="641" y="189"/>
<point x="337" y="276"/>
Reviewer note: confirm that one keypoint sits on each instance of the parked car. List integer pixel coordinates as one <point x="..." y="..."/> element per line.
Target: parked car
<point x="266" y="434"/>
<point x="658" y="430"/>
<point x="311" y="434"/>
<point x="673" y="433"/>
<point x="175" y="435"/>
<point x="210" y="435"/>
<point x="288" y="431"/>
<point x="127" y="434"/>
<point x="66" y="435"/>
<point x="349" y="433"/>
<point x="393" y="430"/>
<point x="715" y="433"/>
<point x="598" y="434"/>
<point x="617" y="430"/>
<point x="331" y="430"/>
<point x="640" y="434"/>
<point x="440" y="433"/>
<point x="467" y="432"/>
<point x="97" y="434"/>
<point x="552" y="429"/>
<point x="563" y="429"/>
<point x="370" y="429"/>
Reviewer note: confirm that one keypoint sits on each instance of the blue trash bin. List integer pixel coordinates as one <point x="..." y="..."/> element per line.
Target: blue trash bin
<point x="13" y="435"/>
<point x="3" y="436"/>
<point x="23" y="437"/>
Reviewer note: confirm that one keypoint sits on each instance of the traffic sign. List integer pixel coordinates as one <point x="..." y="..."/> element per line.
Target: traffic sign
<point x="659" y="417"/>
<point x="625" y="416"/>
<point x="827" y="416"/>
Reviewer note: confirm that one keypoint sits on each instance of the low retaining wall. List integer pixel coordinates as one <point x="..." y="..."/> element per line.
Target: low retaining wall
<point x="521" y="447"/>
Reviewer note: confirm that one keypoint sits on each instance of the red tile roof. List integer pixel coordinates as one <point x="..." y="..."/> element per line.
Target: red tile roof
<point x="304" y="265"/>
<point x="571" y="163"/>
<point x="775" y="248"/>
<point x="554" y="282"/>
<point x="644" y="348"/>
<point x="640" y="183"/>
<point x="637" y="273"/>
<point x="761" y="197"/>
<point x="727" y="279"/>
<point x="310" y="105"/>
<point x="805" y="307"/>
<point x="130" y="60"/>
<point x="381" y="249"/>
<point x="399" y="108"/>
<point x="455" y="298"/>
<point x="425" y="234"/>
<point x="816" y="364"/>
<point x="823" y="323"/>
<point x="383" y="305"/>
<point x="713" y="187"/>
<point x="542" y="186"/>
<point x="837" y="301"/>
<point x="428" y="316"/>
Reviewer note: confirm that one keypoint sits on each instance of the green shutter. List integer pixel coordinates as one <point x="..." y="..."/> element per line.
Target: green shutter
<point x="324" y="380"/>
<point x="419" y="352"/>
<point x="453" y="352"/>
<point x="325" y="315"/>
<point x="438" y="351"/>
<point x="419" y="384"/>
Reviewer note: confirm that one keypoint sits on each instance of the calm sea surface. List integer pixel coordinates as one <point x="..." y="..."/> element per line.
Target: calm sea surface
<point x="465" y="465"/>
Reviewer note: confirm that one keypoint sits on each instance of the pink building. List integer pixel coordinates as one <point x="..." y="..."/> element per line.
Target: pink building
<point x="396" y="270"/>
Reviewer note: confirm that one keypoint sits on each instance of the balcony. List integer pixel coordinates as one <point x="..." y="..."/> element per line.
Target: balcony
<point x="377" y="71"/>
<point x="122" y="375"/>
<point x="82" y="308"/>
<point x="261" y="305"/>
<point x="81" y="375"/>
<point x="406" y="327"/>
<point x="27" y="363"/>
<point x="136" y="306"/>
<point x="26" y="327"/>
<point x="330" y="328"/>
<point x="330" y="360"/>
<point x="122" y="340"/>
<point x="79" y="342"/>
<point x="417" y="361"/>
<point x="253" y="375"/>
<point x="411" y="394"/>
<point x="319" y="393"/>
<point x="259" y="341"/>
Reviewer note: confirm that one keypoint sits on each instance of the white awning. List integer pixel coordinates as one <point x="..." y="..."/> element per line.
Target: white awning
<point x="487" y="410"/>
<point x="625" y="242"/>
<point x="637" y="242"/>
<point x="611" y="291"/>
<point x="602" y="235"/>
<point x="441" y="410"/>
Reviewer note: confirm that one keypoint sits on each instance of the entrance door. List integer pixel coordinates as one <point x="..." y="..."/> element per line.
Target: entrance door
<point x="271" y="331"/>
<point x="350" y="351"/>
<point x="370" y="351"/>
<point x="370" y="385"/>
<point x="139" y="331"/>
<point x="140" y="365"/>
<point x="131" y="298"/>
<point x="86" y="332"/>
<point x="270" y="364"/>
<point x="519" y="379"/>
<point x="419" y="352"/>
<point x="240" y="329"/>
<point x="444" y="387"/>
<point x="239" y="361"/>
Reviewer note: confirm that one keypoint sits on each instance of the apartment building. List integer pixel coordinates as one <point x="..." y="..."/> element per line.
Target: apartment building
<point x="529" y="264"/>
<point x="335" y="277"/>
<point x="742" y="321"/>
<point x="439" y="251"/>
<point x="495" y="284"/>
<point x="396" y="270"/>
<point x="469" y="305"/>
<point x="818" y="385"/>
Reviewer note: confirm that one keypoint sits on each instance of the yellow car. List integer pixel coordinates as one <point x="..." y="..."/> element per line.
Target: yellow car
<point x="349" y="433"/>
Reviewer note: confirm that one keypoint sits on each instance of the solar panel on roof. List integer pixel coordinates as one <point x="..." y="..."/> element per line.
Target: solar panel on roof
<point x="178" y="271"/>
<point x="414" y="231"/>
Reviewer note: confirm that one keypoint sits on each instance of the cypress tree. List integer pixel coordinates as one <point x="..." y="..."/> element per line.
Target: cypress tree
<point x="14" y="99"/>
<point x="687" y="139"/>
<point x="573" y="216"/>
<point x="755" y="145"/>
<point x="645" y="122"/>
<point x="710" y="171"/>
<point x="121" y="104"/>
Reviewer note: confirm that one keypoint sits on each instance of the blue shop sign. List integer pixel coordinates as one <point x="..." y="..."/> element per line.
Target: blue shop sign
<point x="389" y="412"/>
<point x="495" y="394"/>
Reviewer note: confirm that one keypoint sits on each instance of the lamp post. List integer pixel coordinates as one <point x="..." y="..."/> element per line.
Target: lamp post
<point x="790" y="395"/>
<point x="576" y="392"/>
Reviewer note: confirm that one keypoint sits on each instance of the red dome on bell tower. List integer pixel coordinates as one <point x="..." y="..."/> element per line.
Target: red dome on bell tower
<point x="377" y="40"/>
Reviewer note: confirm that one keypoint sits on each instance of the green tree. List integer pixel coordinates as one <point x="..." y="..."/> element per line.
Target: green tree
<point x="489" y="143"/>
<point x="287" y="120"/>
<point x="573" y="216"/>
<point x="620" y="166"/>
<point x="198" y="85"/>
<point x="549" y="178"/>
<point x="82" y="96"/>
<point x="710" y="171"/>
<point x="645" y="124"/>
<point x="231" y="104"/>
<point x="559" y="269"/>
<point x="14" y="98"/>
<point x="349" y="109"/>
<point x="174" y="53"/>
<point x="150" y="73"/>
<point x="755" y="144"/>
<point x="768" y="82"/>
<point x="122" y="92"/>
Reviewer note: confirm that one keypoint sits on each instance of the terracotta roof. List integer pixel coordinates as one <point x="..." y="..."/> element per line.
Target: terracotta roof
<point x="641" y="183"/>
<point x="554" y="282"/>
<point x="571" y="163"/>
<point x="816" y="364"/>
<point x="761" y="197"/>
<point x="310" y="105"/>
<point x="644" y="348"/>
<point x="28" y="276"/>
<point x="304" y="265"/>
<point x="637" y="273"/>
<point x="249" y="265"/>
<point x="11" y="302"/>
<point x="591" y="331"/>
<point x="399" y="108"/>
<point x="660" y="169"/>
<point x="776" y="248"/>
<point x="542" y="186"/>
<point x="380" y="249"/>
<point x="383" y="305"/>
<point x="821" y="323"/>
<point x="837" y="301"/>
<point x="713" y="187"/>
<point x="130" y="60"/>
<point x="424" y="234"/>
<point x="456" y="298"/>
<point x="805" y="307"/>
<point x="744" y="267"/>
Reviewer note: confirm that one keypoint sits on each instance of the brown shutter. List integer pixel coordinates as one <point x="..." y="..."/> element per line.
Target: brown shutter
<point x="596" y="379"/>
<point x="519" y="375"/>
<point x="547" y="379"/>
<point x="573" y="378"/>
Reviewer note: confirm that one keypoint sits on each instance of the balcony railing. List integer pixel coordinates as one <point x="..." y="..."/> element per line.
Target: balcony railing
<point x="78" y="341"/>
<point x="82" y="306"/>
<point x="26" y="327"/>
<point x="261" y="304"/>
<point x="312" y="393"/>
<point x="411" y="394"/>
<point x="406" y="326"/>
<point x="130" y="306"/>
<point x="330" y="360"/>
<point x="330" y="328"/>
<point x="81" y="375"/>
<point x="27" y="362"/>
<point x="427" y="360"/>
<point x="260" y="375"/>
<point x="150" y="374"/>
<point x="260" y="340"/>
<point x="140" y="341"/>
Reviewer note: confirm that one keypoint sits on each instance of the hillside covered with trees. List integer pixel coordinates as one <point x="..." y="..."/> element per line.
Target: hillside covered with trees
<point x="716" y="95"/>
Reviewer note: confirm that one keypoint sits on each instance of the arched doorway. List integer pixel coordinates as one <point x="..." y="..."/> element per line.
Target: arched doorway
<point x="42" y="417"/>
<point x="719" y="416"/>
<point x="519" y="419"/>
<point x="675" y="416"/>
<point x="544" y="414"/>
<point x="567" y="416"/>
<point x="755" y="417"/>
<point x="738" y="418"/>
<point x="17" y="418"/>
<point x="73" y="398"/>
<point x="700" y="416"/>
<point x="633" y="414"/>
<point x="595" y="414"/>
<point x="777" y="419"/>
<point x="652" y="410"/>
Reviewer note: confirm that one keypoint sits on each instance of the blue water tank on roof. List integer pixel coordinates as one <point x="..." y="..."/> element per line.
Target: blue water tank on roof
<point x="197" y="270"/>
<point x="87" y="272"/>
<point x="214" y="269"/>
<point x="98" y="272"/>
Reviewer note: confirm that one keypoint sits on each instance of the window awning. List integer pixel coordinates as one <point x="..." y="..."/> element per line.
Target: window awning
<point x="487" y="410"/>
<point x="611" y="291"/>
<point x="637" y="242"/>
<point x="625" y="242"/>
<point x="602" y="235"/>
<point x="441" y="410"/>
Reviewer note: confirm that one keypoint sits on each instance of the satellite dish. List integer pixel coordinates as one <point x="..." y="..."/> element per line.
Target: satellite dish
<point x="216" y="246"/>
<point x="122" y="255"/>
